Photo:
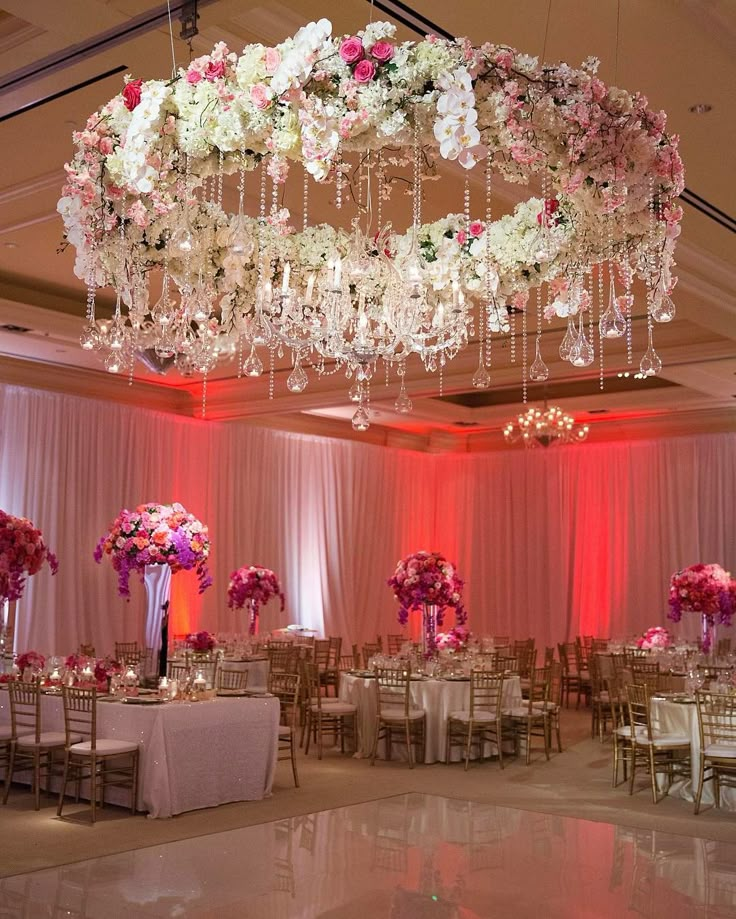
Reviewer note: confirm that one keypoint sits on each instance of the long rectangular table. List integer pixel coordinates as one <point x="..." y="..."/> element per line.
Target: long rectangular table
<point x="192" y="754"/>
<point x="437" y="697"/>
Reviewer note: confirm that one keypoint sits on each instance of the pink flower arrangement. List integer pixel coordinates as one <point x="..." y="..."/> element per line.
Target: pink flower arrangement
<point x="454" y="640"/>
<point x="156" y="534"/>
<point x="201" y="641"/>
<point x="33" y="659"/>
<point x="22" y="553"/>
<point x="705" y="589"/>
<point x="107" y="667"/>
<point x="427" y="578"/>
<point x="656" y="638"/>
<point x="365" y="66"/>
<point x="253" y="585"/>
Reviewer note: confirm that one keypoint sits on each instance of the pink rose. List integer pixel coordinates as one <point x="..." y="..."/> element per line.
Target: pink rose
<point x="382" y="51"/>
<point x="364" y="71"/>
<point x="215" y="70"/>
<point x="273" y="59"/>
<point x="351" y="50"/>
<point x="476" y="228"/>
<point x="260" y="96"/>
<point x="132" y="94"/>
<point x="193" y="76"/>
<point x="462" y="237"/>
<point x="106" y="146"/>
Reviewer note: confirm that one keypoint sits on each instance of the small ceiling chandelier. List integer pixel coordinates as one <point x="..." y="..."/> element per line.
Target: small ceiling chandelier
<point x="198" y="282"/>
<point x="543" y="427"/>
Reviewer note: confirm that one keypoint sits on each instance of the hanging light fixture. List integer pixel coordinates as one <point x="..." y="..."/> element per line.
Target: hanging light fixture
<point x="544" y="427"/>
<point x="144" y="200"/>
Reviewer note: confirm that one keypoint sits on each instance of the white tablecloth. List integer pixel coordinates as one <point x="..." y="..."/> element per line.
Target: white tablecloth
<point x="193" y="754"/>
<point x="437" y="697"/>
<point x="682" y="718"/>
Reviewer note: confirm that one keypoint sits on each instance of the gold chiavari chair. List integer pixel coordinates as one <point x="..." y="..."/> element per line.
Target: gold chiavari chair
<point x="30" y="746"/>
<point x="483" y="722"/>
<point x="370" y="650"/>
<point x="723" y="647"/>
<point x="394" y="643"/>
<point x="207" y="665"/>
<point x="661" y="753"/>
<point x="549" y="656"/>
<point x="570" y="676"/>
<point x="507" y="664"/>
<point x="325" y="716"/>
<point x="582" y="660"/>
<point x="286" y="687"/>
<point x="282" y="658"/>
<point x="599" y="645"/>
<point x="501" y="641"/>
<point x="620" y="727"/>
<point x="600" y="703"/>
<point x="105" y="762"/>
<point x="330" y="675"/>
<point x="396" y="715"/>
<point x="553" y="704"/>
<point x="531" y="719"/>
<point x="717" y="728"/>
<point x="128" y="653"/>
<point x="231" y="678"/>
<point x="176" y="670"/>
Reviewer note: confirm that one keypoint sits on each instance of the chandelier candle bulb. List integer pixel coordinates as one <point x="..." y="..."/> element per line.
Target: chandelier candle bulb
<point x="285" y="282"/>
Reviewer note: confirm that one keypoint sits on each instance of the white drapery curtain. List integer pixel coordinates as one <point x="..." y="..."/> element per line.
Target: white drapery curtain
<point x="551" y="543"/>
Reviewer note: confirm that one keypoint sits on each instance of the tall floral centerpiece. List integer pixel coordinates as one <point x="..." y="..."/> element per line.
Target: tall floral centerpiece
<point x="427" y="581"/>
<point x="156" y="540"/>
<point x="253" y="586"/>
<point x="707" y="590"/>
<point x="22" y="554"/>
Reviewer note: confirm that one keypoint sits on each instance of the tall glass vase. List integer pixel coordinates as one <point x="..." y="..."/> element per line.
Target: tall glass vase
<point x="429" y="629"/>
<point x="708" y="639"/>
<point x="253" y="621"/>
<point x="157" y="580"/>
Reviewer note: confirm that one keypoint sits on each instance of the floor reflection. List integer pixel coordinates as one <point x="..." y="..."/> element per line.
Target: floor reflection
<point x="409" y="857"/>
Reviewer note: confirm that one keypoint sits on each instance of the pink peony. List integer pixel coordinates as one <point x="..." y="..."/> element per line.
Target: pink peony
<point x="364" y="71"/>
<point x="260" y="96"/>
<point x="273" y="59"/>
<point x="382" y="51"/>
<point x="193" y="76"/>
<point x="351" y="50"/>
<point x="132" y="94"/>
<point x="461" y="237"/>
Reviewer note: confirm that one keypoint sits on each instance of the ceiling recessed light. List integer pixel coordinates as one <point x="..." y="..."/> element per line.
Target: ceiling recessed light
<point x="11" y="245"/>
<point x="702" y="108"/>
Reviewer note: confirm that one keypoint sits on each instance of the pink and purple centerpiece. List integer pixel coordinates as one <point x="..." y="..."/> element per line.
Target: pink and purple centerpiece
<point x="427" y="579"/>
<point x="32" y="660"/>
<point x="201" y="641"/>
<point x="156" y="534"/>
<point x="453" y="640"/>
<point x="655" y="639"/>
<point x="255" y="586"/>
<point x="22" y="554"/>
<point x="705" y="589"/>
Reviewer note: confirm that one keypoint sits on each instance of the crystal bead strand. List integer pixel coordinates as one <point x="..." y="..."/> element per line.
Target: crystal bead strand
<point x="338" y="178"/>
<point x="601" y="308"/>
<point x="525" y="369"/>
<point x="220" y="169"/>
<point x="490" y="299"/>
<point x="305" y="201"/>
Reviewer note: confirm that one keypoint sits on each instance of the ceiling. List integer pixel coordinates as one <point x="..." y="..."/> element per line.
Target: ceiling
<point x="680" y="54"/>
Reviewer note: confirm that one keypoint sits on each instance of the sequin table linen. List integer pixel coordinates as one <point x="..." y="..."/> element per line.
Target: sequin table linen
<point x="437" y="697"/>
<point x="192" y="754"/>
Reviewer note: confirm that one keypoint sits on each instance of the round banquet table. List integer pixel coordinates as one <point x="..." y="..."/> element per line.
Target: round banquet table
<point x="682" y="718"/>
<point x="437" y="697"/>
<point x="192" y="754"/>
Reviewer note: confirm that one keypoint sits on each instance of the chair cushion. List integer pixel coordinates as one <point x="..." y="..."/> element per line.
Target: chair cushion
<point x="477" y="716"/>
<point x="104" y="747"/>
<point x="398" y="714"/>
<point x="664" y="740"/>
<point x="720" y="751"/>
<point x="335" y="708"/>
<point x="546" y="706"/>
<point x="47" y="739"/>
<point x="284" y="732"/>
<point x="522" y="711"/>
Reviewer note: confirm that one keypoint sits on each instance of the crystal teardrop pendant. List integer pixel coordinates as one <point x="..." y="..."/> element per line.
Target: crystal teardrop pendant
<point x="567" y="343"/>
<point x="612" y="323"/>
<point x="182" y="240"/>
<point x="355" y="393"/>
<point x="361" y="421"/>
<point x="539" y="371"/>
<point x="662" y="309"/>
<point x="88" y="339"/>
<point x="650" y="364"/>
<point x="114" y="362"/>
<point x="481" y="378"/>
<point x="403" y="404"/>
<point x="297" y="380"/>
<point x="253" y="367"/>
<point x="582" y="353"/>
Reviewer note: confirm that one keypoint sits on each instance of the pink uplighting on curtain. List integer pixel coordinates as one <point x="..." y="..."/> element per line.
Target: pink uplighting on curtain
<point x="550" y="543"/>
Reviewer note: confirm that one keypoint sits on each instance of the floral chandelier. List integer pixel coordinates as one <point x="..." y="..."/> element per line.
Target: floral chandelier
<point x="144" y="200"/>
<point x="544" y="427"/>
